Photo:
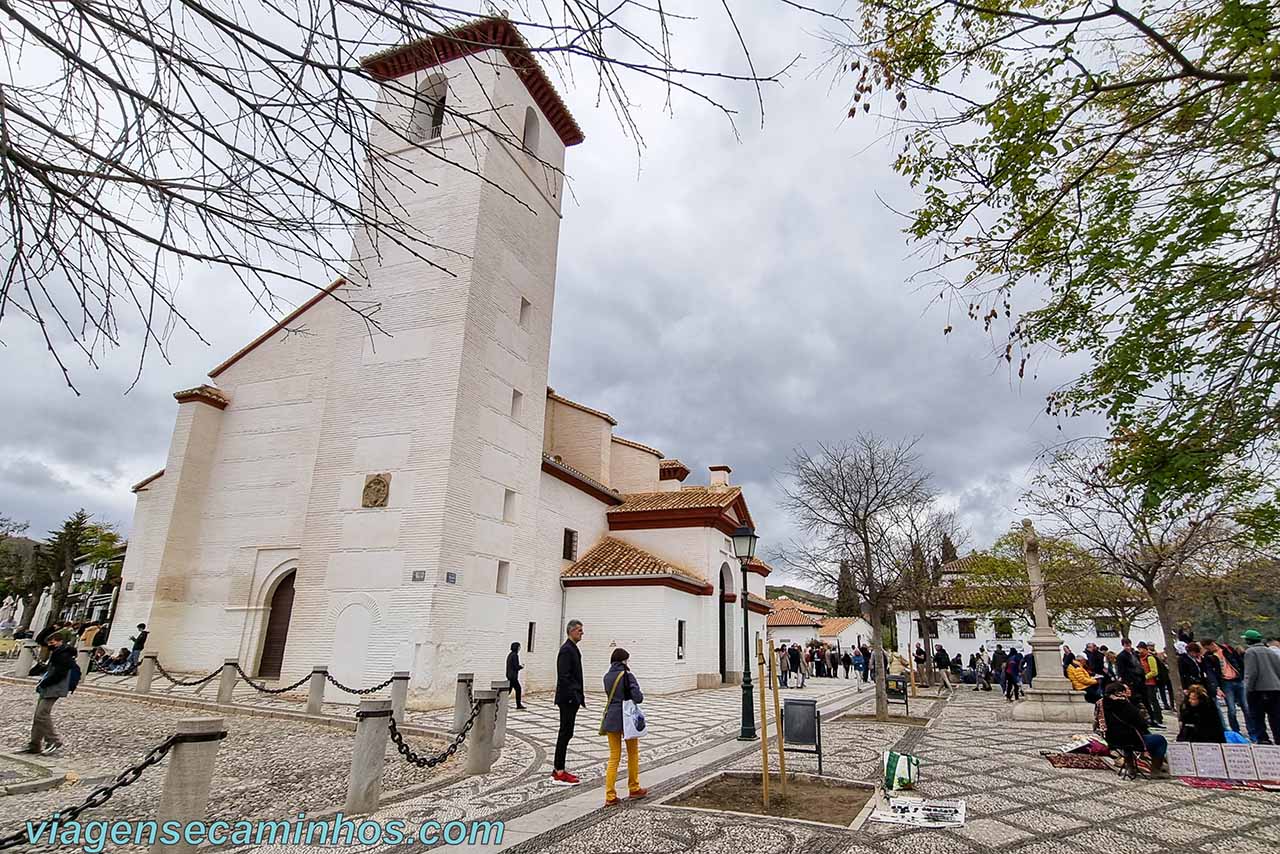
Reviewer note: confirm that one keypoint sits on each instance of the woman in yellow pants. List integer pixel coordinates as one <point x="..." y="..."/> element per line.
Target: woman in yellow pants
<point x="620" y="684"/>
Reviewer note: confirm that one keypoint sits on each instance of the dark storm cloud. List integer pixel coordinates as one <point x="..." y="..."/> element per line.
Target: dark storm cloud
<point x="726" y="300"/>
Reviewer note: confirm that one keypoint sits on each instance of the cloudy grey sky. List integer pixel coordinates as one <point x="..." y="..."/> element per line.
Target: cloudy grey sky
<point x="725" y="299"/>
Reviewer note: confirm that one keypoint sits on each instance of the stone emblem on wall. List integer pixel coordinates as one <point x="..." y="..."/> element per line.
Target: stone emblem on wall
<point x="377" y="489"/>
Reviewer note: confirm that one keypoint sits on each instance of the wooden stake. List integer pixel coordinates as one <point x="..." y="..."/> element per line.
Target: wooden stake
<point x="764" y="724"/>
<point x="777" y="719"/>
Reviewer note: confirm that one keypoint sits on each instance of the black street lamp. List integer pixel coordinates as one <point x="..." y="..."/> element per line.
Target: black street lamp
<point x="744" y="548"/>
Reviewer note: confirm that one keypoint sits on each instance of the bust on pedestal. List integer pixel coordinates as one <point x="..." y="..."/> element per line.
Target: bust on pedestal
<point x="1052" y="698"/>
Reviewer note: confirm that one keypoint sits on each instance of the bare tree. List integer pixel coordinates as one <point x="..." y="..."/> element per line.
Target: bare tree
<point x="136" y="139"/>
<point x="849" y="499"/>
<point x="929" y="534"/>
<point x="1152" y="546"/>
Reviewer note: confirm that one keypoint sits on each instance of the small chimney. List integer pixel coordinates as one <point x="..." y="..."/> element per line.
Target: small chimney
<point x="720" y="475"/>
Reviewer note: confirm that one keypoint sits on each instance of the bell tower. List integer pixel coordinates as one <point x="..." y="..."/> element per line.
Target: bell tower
<point x="424" y="492"/>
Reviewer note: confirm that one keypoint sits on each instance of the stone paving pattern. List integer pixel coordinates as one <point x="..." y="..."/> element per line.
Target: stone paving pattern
<point x="1016" y="801"/>
<point x="266" y="767"/>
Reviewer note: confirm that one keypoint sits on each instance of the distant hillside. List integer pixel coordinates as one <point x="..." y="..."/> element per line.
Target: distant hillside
<point x="800" y="595"/>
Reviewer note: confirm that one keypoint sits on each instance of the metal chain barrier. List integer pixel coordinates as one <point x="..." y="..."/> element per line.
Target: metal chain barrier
<point x="188" y="683"/>
<point x="430" y="761"/>
<point x="257" y="686"/>
<point x="329" y="677"/>
<point x="127" y="777"/>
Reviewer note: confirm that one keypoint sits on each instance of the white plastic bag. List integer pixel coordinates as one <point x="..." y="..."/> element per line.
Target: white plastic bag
<point x="633" y="722"/>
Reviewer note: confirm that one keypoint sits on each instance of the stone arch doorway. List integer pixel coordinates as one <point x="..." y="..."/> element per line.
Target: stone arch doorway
<point x="277" y="634"/>
<point x="726" y="621"/>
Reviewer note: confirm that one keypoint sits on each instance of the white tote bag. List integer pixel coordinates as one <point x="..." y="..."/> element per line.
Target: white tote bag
<point x="633" y="722"/>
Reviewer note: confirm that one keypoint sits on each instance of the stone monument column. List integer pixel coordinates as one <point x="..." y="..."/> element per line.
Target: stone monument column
<point x="1052" y="698"/>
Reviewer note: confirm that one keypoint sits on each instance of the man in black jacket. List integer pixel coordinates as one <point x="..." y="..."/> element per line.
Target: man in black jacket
<point x="54" y="684"/>
<point x="513" y="673"/>
<point x="569" y="697"/>
<point x="1129" y="669"/>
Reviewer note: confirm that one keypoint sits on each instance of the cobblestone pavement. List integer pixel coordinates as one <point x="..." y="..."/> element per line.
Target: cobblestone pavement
<point x="265" y="767"/>
<point x="1016" y="801"/>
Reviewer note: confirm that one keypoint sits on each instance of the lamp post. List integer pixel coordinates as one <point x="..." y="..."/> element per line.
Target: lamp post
<point x="744" y="548"/>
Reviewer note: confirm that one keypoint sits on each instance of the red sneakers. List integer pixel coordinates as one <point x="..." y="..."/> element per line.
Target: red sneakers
<point x="637" y="794"/>
<point x="564" y="778"/>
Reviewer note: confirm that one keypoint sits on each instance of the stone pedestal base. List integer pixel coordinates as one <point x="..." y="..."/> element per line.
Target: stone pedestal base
<point x="1054" y="706"/>
<point x="708" y="680"/>
<point x="733" y="679"/>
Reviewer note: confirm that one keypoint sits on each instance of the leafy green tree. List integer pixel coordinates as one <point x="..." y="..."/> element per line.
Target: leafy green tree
<point x="78" y="537"/>
<point x="1101" y="179"/>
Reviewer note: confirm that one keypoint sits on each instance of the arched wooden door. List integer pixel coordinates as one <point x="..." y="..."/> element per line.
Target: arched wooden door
<point x="277" y="629"/>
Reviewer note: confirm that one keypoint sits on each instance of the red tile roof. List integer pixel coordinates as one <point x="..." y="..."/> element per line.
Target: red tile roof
<point x="790" y="617"/>
<point x="612" y="557"/>
<point x="476" y="37"/>
<point x="690" y="498"/>
<point x="833" y="626"/>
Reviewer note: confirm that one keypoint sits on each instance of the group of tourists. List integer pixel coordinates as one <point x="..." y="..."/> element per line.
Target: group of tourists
<point x="1009" y="669"/>
<point x="1246" y="681"/>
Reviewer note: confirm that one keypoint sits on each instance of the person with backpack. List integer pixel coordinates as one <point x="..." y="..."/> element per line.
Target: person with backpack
<point x="59" y="679"/>
<point x="620" y="685"/>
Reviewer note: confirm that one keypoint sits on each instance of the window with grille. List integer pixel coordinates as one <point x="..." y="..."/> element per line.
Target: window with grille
<point x="427" y="120"/>
<point x="968" y="628"/>
<point x="1106" y="627"/>
<point x="932" y="627"/>
<point x="1004" y="629"/>
<point x="680" y="639"/>
<point x="570" y="544"/>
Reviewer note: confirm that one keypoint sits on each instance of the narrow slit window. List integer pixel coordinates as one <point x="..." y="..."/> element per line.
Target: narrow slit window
<point x="504" y="576"/>
<point x="680" y="640"/>
<point x="570" y="544"/>
<point x="517" y="404"/>
<point x="533" y="631"/>
<point x="526" y="313"/>
<point x="529" y="140"/>
<point x="508" y="505"/>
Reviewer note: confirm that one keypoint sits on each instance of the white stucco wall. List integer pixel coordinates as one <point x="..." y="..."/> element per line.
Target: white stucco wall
<point x="1144" y="629"/>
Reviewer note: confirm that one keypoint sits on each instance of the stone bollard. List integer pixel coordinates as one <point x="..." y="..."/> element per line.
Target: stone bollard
<point x="399" y="694"/>
<point x="462" y="701"/>
<point x="146" y="672"/>
<point x="26" y="658"/>
<point x="315" y="691"/>
<point x="368" y="755"/>
<point x="82" y="659"/>
<point x="186" y="782"/>
<point x="227" y="683"/>
<point x="480" y="751"/>
<point x="503" y="689"/>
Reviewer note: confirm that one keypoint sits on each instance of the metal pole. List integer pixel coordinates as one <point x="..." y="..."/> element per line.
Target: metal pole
<point x="748" y="732"/>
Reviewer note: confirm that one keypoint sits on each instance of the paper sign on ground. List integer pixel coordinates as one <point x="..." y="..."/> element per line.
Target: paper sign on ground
<point x="1267" y="759"/>
<point x="1239" y="759"/>
<point x="1209" y="761"/>
<point x="1181" y="763"/>
<point x="919" y="812"/>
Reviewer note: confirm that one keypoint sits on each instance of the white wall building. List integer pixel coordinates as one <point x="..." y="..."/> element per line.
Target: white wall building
<point x="791" y="626"/>
<point x="844" y="632"/>
<point x="421" y="499"/>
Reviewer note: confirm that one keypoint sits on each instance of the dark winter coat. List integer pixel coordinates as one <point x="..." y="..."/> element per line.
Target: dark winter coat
<point x="569" y="691"/>
<point x="794" y="655"/>
<point x="1201" y="723"/>
<point x="514" y="667"/>
<point x="57" y="678"/>
<point x="1097" y="661"/>
<point x="1192" y="673"/>
<point x="628" y="689"/>
<point x="940" y="659"/>
<point x="1211" y="666"/>
<point x="1129" y="668"/>
<point x="1125" y="725"/>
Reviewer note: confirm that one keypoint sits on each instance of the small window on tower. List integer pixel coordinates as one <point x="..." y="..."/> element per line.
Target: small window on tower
<point x="504" y="576"/>
<point x="533" y="632"/>
<point x="680" y="640"/>
<point x="427" y="121"/>
<point x="517" y="404"/>
<point x="530" y="139"/>
<point x="508" y="505"/>
<point x="526" y="313"/>
<point x="570" y="544"/>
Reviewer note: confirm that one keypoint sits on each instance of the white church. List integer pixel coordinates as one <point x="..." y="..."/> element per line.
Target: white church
<point x="420" y="500"/>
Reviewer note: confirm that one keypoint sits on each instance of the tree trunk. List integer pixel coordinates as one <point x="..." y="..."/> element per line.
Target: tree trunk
<point x="28" y="604"/>
<point x="877" y="655"/>
<point x="926" y="642"/>
<point x="1161" y="602"/>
